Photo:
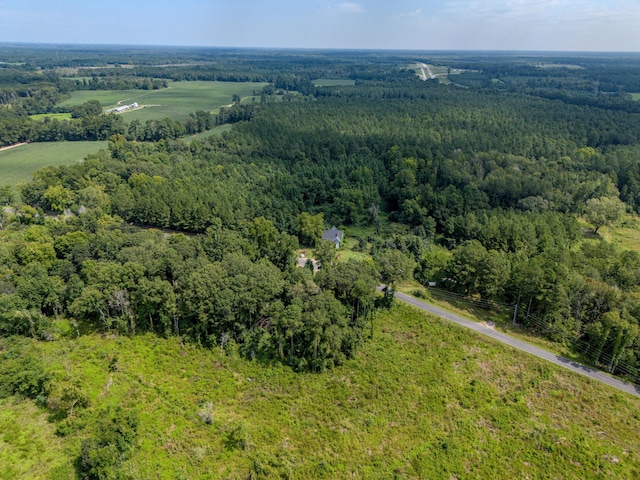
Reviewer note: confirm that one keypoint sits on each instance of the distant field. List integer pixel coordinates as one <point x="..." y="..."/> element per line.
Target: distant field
<point x="206" y="134"/>
<point x="441" y="72"/>
<point x="175" y="102"/>
<point x="18" y="164"/>
<point x="59" y="116"/>
<point x="328" y="82"/>
<point x="635" y="96"/>
<point x="568" y="66"/>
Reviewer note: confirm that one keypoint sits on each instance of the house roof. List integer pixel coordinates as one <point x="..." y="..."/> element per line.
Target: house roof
<point x="332" y="235"/>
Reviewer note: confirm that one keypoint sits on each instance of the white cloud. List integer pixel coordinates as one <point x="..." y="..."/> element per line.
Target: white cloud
<point x="550" y="10"/>
<point x="350" y="8"/>
<point x="412" y="14"/>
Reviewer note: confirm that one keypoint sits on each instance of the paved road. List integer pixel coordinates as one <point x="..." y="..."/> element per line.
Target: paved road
<point x="526" y="347"/>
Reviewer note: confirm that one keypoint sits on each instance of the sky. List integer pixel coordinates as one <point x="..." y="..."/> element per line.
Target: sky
<point x="540" y="25"/>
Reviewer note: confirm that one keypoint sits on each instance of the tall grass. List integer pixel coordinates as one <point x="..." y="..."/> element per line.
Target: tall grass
<point x="422" y="399"/>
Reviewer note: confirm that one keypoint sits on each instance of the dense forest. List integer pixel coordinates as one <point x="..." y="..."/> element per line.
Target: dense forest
<point x="476" y="184"/>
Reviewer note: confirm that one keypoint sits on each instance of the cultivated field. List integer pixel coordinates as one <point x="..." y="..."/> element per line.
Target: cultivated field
<point x="423" y="399"/>
<point x="635" y="96"/>
<point x="17" y="164"/>
<point x="175" y="102"/>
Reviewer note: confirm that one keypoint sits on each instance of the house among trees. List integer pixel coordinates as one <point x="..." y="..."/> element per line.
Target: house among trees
<point x="333" y="235"/>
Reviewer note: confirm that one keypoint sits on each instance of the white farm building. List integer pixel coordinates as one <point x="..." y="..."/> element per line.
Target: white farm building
<point x="124" y="108"/>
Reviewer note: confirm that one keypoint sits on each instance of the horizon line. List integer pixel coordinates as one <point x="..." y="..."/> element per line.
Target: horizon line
<point x="331" y="49"/>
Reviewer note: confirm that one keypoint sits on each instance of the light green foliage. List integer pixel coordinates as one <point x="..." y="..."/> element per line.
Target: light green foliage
<point x="424" y="399"/>
<point x="59" y="197"/>
<point x="472" y="270"/>
<point x="603" y="211"/>
<point x="58" y="116"/>
<point x="309" y="228"/>
<point x="29" y="447"/>
<point x="431" y="264"/>
<point x="6" y="194"/>
<point x="325" y="253"/>
<point x="394" y="266"/>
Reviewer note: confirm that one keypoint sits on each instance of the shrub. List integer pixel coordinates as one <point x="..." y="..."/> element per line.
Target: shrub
<point x="22" y="372"/>
<point x="102" y="454"/>
<point x="206" y="413"/>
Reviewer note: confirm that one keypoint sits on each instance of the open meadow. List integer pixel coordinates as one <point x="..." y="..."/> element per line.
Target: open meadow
<point x="422" y="399"/>
<point x="18" y="163"/>
<point x="175" y="102"/>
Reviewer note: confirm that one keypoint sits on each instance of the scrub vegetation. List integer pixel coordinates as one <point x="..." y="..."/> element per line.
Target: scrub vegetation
<point x="422" y="399"/>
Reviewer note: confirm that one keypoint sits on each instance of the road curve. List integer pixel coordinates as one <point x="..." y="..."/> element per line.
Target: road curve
<point x="520" y="345"/>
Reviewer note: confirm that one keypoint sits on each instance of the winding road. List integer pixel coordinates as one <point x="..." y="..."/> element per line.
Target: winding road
<point x="520" y="345"/>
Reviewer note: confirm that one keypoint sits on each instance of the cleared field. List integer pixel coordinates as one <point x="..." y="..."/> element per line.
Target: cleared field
<point x="59" y="116"/>
<point x="175" y="102"/>
<point x="208" y="133"/>
<point x="635" y="96"/>
<point x="422" y="399"/>
<point x="328" y="82"/>
<point x="18" y="164"/>
<point x="107" y="98"/>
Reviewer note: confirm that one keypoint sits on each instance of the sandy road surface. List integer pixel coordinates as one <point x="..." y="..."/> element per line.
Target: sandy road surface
<point x="12" y="146"/>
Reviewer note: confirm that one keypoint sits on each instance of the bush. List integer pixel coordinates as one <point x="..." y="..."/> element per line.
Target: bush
<point x="237" y="438"/>
<point x="419" y="294"/>
<point x="102" y="454"/>
<point x="22" y="372"/>
<point x="206" y="413"/>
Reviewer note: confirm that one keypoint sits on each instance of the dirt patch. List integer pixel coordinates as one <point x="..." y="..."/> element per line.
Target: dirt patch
<point x="12" y="146"/>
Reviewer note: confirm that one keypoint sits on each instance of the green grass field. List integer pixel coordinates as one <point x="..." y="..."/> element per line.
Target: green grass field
<point x="17" y="164"/>
<point x="59" y="116"/>
<point x="175" y="102"/>
<point x="328" y="82"/>
<point x="635" y="96"/>
<point x="422" y="399"/>
<point x="214" y="131"/>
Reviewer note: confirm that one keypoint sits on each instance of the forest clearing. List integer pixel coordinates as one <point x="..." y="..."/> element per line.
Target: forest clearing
<point x="470" y="405"/>
<point x="176" y="101"/>
<point x="18" y="164"/>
